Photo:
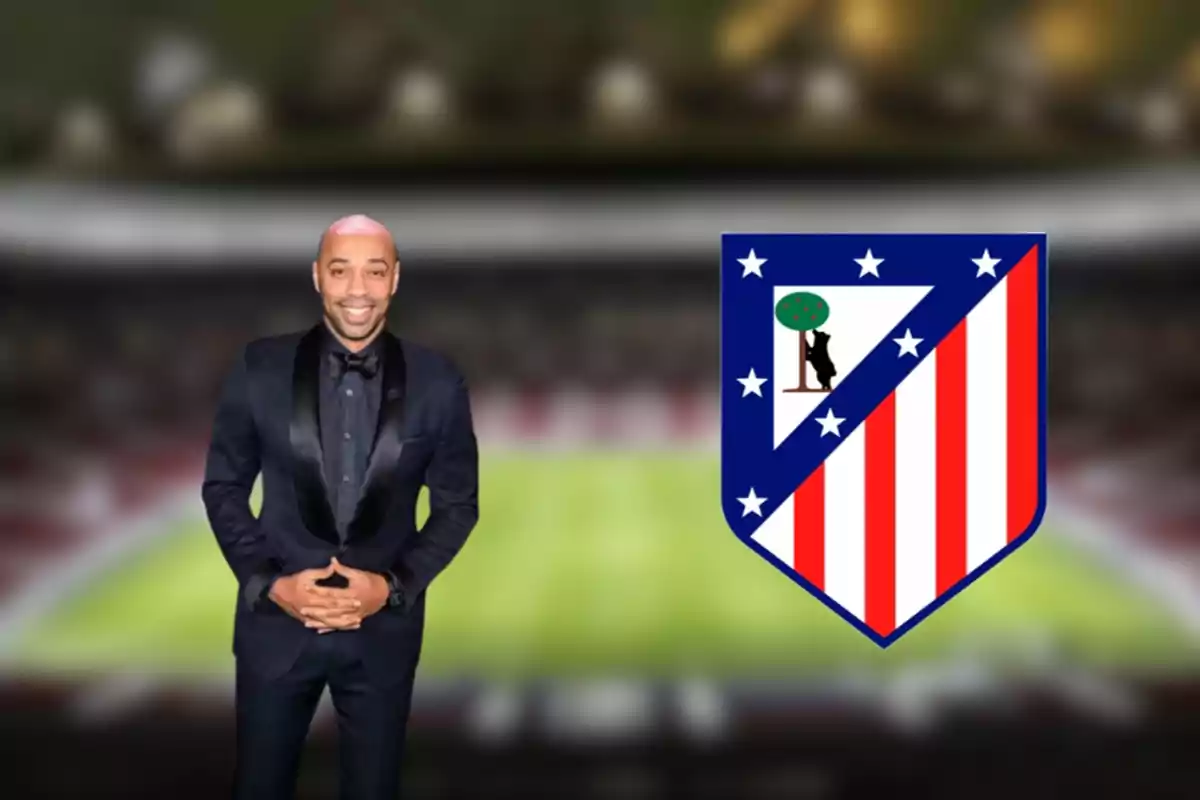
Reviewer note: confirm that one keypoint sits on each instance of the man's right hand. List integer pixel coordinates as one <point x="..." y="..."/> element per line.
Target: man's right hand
<point x="294" y="594"/>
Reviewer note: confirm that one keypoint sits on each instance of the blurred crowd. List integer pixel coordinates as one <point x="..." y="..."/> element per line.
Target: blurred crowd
<point x="151" y="350"/>
<point x="115" y="358"/>
<point x="1125" y="410"/>
<point x="318" y="84"/>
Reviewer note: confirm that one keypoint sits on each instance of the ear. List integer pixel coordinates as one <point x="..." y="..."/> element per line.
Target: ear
<point x="396" y="277"/>
<point x="316" y="276"/>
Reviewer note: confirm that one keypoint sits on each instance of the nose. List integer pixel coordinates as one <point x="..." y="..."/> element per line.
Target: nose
<point x="358" y="284"/>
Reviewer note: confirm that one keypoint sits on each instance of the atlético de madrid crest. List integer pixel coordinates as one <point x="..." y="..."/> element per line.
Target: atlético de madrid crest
<point x="883" y="412"/>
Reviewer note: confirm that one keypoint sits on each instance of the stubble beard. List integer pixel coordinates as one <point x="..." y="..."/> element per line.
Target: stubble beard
<point x="336" y="323"/>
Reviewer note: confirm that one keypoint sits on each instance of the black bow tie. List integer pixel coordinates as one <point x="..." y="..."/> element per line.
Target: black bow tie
<point x="367" y="364"/>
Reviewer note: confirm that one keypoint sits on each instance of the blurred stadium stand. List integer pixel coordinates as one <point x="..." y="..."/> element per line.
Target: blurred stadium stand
<point x="558" y="175"/>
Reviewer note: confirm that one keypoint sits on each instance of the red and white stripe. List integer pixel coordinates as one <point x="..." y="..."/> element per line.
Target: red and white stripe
<point x="940" y="477"/>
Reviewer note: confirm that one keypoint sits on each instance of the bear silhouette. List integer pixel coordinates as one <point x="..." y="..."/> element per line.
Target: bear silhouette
<point x="817" y="354"/>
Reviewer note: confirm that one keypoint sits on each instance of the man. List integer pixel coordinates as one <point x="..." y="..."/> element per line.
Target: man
<point x="346" y="422"/>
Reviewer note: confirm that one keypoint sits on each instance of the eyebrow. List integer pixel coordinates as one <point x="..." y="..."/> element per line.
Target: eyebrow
<point x="383" y="261"/>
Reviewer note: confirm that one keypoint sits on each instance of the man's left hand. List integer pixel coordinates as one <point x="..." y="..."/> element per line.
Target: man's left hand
<point x="369" y="588"/>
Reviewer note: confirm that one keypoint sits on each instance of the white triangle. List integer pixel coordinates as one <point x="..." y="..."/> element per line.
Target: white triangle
<point x="859" y="318"/>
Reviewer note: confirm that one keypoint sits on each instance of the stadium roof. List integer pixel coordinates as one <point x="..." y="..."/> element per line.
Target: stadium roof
<point x="94" y="223"/>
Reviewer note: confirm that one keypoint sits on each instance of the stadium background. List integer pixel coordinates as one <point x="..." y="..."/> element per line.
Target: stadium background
<point x="558" y="175"/>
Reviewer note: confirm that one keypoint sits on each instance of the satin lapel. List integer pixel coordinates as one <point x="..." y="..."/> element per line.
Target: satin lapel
<point x="309" y="474"/>
<point x="387" y="446"/>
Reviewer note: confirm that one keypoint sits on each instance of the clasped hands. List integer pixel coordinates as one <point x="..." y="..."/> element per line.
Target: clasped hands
<point x="329" y="608"/>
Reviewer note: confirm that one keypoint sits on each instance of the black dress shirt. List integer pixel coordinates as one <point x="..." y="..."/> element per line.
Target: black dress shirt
<point x="348" y="411"/>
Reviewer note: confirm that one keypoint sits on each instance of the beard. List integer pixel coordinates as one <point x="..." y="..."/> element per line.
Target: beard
<point x="356" y="333"/>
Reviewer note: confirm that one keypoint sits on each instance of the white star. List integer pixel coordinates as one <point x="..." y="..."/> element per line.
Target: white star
<point x="752" y="264"/>
<point x="751" y="503"/>
<point x="986" y="264"/>
<point x="752" y="384"/>
<point x="830" y="424"/>
<point x="869" y="263"/>
<point x="908" y="343"/>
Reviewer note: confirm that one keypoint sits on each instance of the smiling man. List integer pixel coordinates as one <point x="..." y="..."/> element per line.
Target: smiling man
<point x="346" y="422"/>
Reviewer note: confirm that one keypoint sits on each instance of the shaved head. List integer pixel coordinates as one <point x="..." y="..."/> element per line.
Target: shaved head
<point x="356" y="272"/>
<point x="356" y="225"/>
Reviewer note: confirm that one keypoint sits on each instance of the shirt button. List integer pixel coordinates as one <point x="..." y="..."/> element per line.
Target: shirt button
<point x="350" y="392"/>
<point x="345" y="479"/>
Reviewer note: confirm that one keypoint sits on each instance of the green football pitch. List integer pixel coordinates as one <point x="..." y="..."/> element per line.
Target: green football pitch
<point x="619" y="564"/>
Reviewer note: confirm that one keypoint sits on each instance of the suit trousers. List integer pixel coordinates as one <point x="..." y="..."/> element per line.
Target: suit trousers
<point x="274" y="715"/>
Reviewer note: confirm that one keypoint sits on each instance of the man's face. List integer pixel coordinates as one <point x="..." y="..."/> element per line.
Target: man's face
<point x="356" y="275"/>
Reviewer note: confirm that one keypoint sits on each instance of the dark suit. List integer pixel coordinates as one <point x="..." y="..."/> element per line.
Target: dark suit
<point x="268" y="420"/>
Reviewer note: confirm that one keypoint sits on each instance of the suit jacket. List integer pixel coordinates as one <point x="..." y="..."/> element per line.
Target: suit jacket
<point x="267" y="421"/>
